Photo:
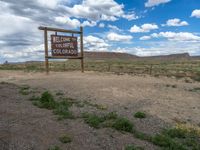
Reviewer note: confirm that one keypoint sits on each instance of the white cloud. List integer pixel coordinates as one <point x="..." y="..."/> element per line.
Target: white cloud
<point x="15" y="24"/>
<point x="101" y="25"/>
<point x="176" y="22"/>
<point x="196" y="13"/>
<point x="114" y="27"/>
<point x="48" y="3"/>
<point x="143" y="28"/>
<point x="35" y="52"/>
<point x="74" y="23"/>
<point x="92" y="43"/>
<point x="108" y="10"/>
<point x="130" y="16"/>
<point x="118" y="37"/>
<point x="70" y="23"/>
<point x="166" y="48"/>
<point x="89" y="23"/>
<point x="97" y="10"/>
<point x="180" y="36"/>
<point x="145" y="37"/>
<point x="151" y="3"/>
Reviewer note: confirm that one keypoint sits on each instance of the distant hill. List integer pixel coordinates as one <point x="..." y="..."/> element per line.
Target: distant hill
<point x="108" y="55"/>
<point x="125" y="56"/>
<point x="115" y="55"/>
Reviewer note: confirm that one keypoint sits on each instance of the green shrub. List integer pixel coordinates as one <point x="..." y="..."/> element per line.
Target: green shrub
<point x="133" y="147"/>
<point x="24" y="90"/>
<point x="167" y="142"/>
<point x="176" y="133"/>
<point x="47" y="101"/>
<point x="54" y="148"/>
<point x="111" y="115"/>
<point x="62" y="110"/>
<point x="93" y="120"/>
<point x="123" y="124"/>
<point x="140" y="114"/>
<point x="65" y="139"/>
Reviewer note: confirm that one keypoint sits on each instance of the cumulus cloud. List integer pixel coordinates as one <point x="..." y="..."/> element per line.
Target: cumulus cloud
<point x="114" y="27"/>
<point x="108" y="10"/>
<point x="130" y="16"/>
<point x="101" y="25"/>
<point x="74" y="23"/>
<point x="151" y="3"/>
<point x="93" y="43"/>
<point x="89" y="23"/>
<point x="145" y="38"/>
<point x="118" y="37"/>
<point x="196" y="13"/>
<point x="70" y="23"/>
<point x="176" y="22"/>
<point x="143" y="28"/>
<point x="166" y="48"/>
<point x="177" y="36"/>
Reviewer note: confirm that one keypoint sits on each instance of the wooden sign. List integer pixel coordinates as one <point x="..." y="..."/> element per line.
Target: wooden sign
<point x="64" y="45"/>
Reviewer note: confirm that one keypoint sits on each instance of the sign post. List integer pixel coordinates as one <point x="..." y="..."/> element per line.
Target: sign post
<point x="62" y="46"/>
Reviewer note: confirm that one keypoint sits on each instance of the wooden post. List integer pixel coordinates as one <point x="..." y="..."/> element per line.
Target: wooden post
<point x="81" y="47"/>
<point x="46" y="51"/>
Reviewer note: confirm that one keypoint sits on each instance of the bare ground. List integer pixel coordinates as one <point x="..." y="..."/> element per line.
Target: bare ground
<point x="24" y="126"/>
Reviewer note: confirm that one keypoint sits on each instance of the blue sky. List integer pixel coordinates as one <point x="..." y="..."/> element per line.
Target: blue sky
<point x="139" y="27"/>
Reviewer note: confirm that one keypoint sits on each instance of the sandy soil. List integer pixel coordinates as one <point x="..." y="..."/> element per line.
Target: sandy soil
<point x="21" y="122"/>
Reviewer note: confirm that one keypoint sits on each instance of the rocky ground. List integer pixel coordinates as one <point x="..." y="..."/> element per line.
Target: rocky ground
<point x="23" y="126"/>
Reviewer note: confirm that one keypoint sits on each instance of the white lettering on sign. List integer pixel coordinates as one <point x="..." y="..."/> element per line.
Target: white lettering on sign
<point x="64" y="45"/>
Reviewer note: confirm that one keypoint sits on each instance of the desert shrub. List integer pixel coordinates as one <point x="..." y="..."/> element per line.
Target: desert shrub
<point x="123" y="124"/>
<point x="111" y="115"/>
<point x="140" y="114"/>
<point x="46" y="101"/>
<point x="133" y="147"/>
<point x="141" y="135"/>
<point x="62" y="110"/>
<point x="93" y="120"/>
<point x="167" y="142"/>
<point x="24" y="90"/>
<point x="54" y="148"/>
<point x="65" y="139"/>
<point x="181" y="138"/>
<point x="175" y="132"/>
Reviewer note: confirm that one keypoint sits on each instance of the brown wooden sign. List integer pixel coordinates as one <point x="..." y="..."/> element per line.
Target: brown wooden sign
<point x="64" y="45"/>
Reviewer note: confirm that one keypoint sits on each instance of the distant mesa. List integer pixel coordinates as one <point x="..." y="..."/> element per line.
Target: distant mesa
<point x="126" y="56"/>
<point x="108" y="55"/>
<point x="91" y="55"/>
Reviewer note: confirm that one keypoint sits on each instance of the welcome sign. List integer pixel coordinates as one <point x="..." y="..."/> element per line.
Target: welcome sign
<point x="64" y="45"/>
